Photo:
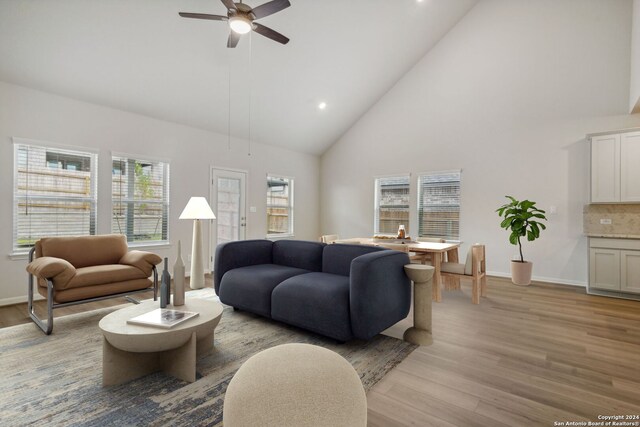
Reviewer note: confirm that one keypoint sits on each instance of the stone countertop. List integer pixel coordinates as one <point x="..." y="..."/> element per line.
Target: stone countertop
<point x="613" y="236"/>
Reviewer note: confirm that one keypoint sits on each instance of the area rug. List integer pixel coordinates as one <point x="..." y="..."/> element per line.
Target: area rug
<point x="57" y="379"/>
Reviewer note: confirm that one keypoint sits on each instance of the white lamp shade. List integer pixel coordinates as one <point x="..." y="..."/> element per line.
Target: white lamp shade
<point x="197" y="208"/>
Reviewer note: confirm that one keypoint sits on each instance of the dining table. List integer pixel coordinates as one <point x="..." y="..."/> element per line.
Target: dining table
<point x="437" y="250"/>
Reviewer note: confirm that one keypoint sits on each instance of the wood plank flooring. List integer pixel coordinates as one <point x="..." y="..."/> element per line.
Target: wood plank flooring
<point x="526" y="356"/>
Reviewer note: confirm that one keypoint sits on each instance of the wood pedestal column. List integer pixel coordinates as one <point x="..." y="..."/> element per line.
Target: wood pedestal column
<point x="422" y="277"/>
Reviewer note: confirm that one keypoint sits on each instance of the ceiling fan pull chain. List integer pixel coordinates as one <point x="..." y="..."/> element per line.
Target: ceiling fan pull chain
<point x="250" y="88"/>
<point x="229" y="112"/>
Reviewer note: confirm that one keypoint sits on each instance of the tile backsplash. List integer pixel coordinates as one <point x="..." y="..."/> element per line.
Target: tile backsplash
<point x="612" y="220"/>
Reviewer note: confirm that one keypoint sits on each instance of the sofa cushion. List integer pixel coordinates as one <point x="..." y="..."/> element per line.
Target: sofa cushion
<point x="102" y="274"/>
<point x="86" y="292"/>
<point x="298" y="254"/>
<point x="249" y="288"/>
<point x="336" y="258"/>
<point x="241" y="253"/>
<point x="318" y="302"/>
<point x="85" y="251"/>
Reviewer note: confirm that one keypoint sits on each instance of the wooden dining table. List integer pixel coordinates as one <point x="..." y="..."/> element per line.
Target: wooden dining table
<point x="438" y="250"/>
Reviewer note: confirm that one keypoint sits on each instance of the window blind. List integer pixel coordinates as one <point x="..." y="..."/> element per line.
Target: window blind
<point x="439" y="205"/>
<point x="140" y="197"/>
<point x="54" y="194"/>
<point x="279" y="205"/>
<point x="391" y="204"/>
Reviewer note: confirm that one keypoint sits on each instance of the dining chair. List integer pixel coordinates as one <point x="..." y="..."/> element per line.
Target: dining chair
<point x="474" y="269"/>
<point x="329" y="238"/>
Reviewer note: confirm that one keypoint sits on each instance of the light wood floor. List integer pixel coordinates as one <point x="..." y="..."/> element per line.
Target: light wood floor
<point x="526" y="356"/>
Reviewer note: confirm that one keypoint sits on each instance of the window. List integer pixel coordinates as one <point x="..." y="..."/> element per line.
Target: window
<point x="391" y="204"/>
<point x="279" y="206"/>
<point x="54" y="193"/>
<point x="58" y="160"/>
<point x="140" y="195"/>
<point x="439" y="205"/>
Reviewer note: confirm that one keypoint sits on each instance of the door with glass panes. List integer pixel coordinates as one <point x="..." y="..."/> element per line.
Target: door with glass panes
<point x="228" y="197"/>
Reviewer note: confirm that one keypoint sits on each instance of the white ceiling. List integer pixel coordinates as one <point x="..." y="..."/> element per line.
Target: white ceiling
<point x="140" y="56"/>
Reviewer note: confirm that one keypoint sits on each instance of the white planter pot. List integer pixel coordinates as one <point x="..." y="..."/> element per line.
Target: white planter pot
<point x="521" y="272"/>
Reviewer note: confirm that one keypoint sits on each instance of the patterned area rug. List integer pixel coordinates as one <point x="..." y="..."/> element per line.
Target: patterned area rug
<point x="57" y="379"/>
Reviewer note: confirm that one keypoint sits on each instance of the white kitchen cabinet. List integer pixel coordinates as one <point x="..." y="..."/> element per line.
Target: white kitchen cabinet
<point x="614" y="265"/>
<point x="605" y="168"/>
<point x="630" y="167"/>
<point x="604" y="268"/>
<point x="615" y="175"/>
<point x="630" y="271"/>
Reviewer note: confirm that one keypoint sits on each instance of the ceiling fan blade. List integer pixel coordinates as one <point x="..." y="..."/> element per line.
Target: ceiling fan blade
<point x="229" y="4"/>
<point x="269" y="33"/>
<point x="270" y="8"/>
<point x="233" y="39"/>
<point x="203" y="16"/>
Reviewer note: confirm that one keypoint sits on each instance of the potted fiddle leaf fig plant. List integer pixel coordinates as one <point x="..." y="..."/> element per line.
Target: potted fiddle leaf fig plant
<point x="522" y="219"/>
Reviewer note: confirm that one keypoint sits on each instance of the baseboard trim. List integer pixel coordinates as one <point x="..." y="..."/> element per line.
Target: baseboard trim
<point x="19" y="300"/>
<point x="541" y="279"/>
<point x="614" y="294"/>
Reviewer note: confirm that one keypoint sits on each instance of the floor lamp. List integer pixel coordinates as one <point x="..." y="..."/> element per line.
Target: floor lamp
<point x="197" y="209"/>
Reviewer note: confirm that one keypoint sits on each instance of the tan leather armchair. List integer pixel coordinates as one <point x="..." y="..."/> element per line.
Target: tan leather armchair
<point x="75" y="270"/>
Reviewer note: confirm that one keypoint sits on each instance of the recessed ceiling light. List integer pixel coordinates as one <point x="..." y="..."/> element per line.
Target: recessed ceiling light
<point x="322" y="105"/>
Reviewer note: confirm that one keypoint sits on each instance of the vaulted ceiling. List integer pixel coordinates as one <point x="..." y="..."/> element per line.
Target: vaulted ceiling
<point x="140" y="56"/>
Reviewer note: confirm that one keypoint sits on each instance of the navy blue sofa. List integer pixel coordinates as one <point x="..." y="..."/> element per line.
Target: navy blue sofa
<point x="340" y="291"/>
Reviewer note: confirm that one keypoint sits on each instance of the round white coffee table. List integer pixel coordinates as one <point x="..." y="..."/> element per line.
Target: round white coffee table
<point x="132" y="351"/>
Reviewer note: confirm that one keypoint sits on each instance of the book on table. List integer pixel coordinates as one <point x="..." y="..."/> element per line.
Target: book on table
<point x="163" y="318"/>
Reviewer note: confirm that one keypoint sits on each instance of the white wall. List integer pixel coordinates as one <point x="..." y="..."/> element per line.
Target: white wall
<point x="507" y="96"/>
<point x="37" y="115"/>
<point x="634" y="100"/>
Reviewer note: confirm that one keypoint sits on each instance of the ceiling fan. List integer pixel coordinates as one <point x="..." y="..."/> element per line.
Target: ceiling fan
<point x="241" y="19"/>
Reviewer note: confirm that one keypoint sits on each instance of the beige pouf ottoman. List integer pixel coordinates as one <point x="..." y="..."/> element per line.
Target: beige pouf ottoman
<point x="295" y="385"/>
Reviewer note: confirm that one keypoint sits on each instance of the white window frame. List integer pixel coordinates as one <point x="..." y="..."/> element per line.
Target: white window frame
<point x="93" y="175"/>
<point x="376" y="202"/>
<point x="291" y="232"/>
<point x="419" y="196"/>
<point x="166" y="202"/>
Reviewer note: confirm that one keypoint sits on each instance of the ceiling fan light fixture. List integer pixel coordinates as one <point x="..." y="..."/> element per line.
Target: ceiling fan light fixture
<point x="241" y="17"/>
<point x="240" y="24"/>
